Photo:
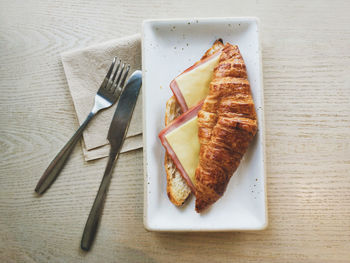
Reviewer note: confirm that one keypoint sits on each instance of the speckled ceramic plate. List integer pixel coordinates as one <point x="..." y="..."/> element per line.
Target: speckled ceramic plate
<point x="168" y="48"/>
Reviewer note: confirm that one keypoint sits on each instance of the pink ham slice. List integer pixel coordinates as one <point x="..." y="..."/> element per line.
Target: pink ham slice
<point x="175" y="88"/>
<point x="188" y="115"/>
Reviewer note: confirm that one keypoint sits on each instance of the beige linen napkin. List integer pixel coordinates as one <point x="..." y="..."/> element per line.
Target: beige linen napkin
<point x="85" y="70"/>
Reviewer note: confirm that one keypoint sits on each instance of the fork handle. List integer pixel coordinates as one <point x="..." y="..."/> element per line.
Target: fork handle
<point x="56" y="165"/>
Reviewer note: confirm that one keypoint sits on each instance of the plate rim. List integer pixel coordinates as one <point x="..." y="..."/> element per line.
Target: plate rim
<point x="146" y="222"/>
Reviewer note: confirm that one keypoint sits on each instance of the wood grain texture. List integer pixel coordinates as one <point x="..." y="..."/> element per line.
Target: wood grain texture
<point x="306" y="59"/>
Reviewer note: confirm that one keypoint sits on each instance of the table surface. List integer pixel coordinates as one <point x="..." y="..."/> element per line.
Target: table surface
<point x="306" y="66"/>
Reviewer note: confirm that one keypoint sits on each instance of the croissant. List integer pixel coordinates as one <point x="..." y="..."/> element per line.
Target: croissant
<point x="227" y="124"/>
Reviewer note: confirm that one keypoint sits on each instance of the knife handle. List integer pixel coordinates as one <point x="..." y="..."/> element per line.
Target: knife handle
<point x="56" y="165"/>
<point x="96" y="210"/>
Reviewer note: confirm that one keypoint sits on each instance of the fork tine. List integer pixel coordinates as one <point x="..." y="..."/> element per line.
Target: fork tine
<point x="116" y="84"/>
<point x="111" y="68"/>
<point x="110" y="81"/>
<point x="124" y="77"/>
<point x="116" y="71"/>
<point x="105" y="82"/>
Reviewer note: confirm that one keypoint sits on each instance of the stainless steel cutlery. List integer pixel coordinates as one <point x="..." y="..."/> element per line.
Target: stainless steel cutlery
<point x="108" y="93"/>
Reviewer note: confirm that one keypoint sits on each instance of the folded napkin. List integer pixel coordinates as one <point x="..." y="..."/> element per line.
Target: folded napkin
<point x="85" y="70"/>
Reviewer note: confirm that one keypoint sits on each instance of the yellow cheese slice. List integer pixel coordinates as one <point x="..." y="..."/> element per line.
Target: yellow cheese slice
<point x="185" y="143"/>
<point x="194" y="84"/>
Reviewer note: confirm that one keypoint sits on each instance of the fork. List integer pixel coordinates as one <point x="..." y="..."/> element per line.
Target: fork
<point x="107" y="95"/>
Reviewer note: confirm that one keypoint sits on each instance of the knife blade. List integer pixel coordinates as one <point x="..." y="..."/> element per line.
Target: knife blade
<point x="122" y="116"/>
<point x="116" y="135"/>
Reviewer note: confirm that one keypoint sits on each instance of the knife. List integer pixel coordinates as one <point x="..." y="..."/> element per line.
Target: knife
<point x="116" y="136"/>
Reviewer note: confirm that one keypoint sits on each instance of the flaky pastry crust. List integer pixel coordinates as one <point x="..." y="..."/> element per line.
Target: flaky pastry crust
<point x="227" y="124"/>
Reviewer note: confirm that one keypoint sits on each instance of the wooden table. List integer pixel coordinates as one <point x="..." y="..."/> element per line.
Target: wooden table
<point x="306" y="64"/>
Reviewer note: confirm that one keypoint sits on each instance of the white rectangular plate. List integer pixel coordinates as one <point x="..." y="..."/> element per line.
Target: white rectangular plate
<point x="168" y="48"/>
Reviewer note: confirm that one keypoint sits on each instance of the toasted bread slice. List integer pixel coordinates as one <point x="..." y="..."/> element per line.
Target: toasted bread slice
<point x="177" y="189"/>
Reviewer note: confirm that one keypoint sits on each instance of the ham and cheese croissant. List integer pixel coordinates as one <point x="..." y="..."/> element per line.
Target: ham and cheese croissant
<point x="227" y="124"/>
